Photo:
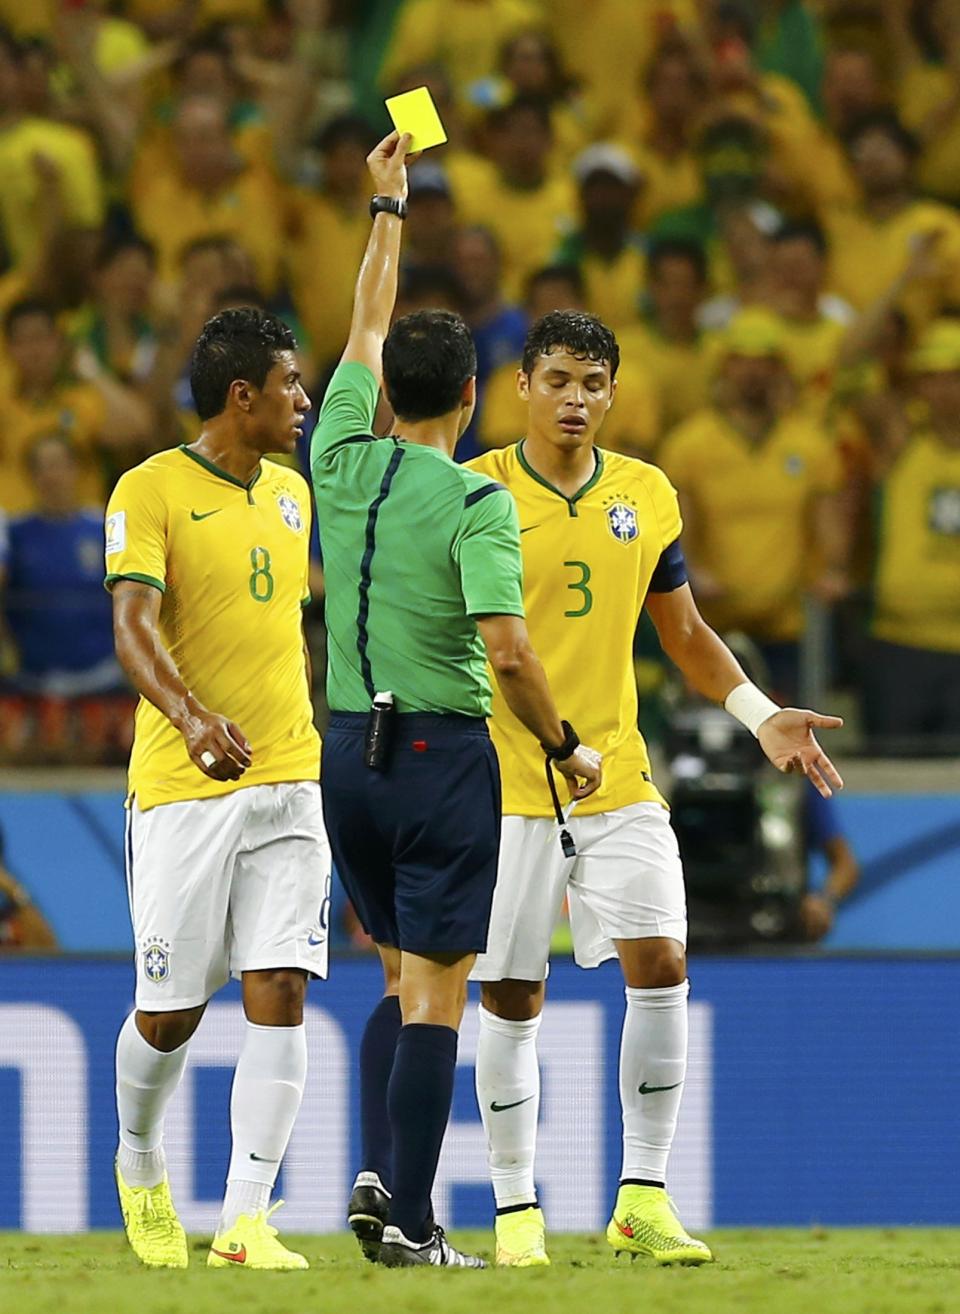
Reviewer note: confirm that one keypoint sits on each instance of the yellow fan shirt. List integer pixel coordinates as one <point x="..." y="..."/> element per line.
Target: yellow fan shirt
<point x="231" y="561"/>
<point x="587" y="566"/>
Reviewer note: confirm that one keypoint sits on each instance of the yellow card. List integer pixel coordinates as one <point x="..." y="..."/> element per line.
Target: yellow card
<point x="415" y="112"/>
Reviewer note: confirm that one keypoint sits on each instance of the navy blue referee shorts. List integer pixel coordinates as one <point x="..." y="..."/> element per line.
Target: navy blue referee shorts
<point x="416" y="845"/>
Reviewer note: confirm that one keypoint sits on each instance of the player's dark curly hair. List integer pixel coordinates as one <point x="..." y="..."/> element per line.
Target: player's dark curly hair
<point x="236" y="344"/>
<point x="583" y="335"/>
<point x="428" y="356"/>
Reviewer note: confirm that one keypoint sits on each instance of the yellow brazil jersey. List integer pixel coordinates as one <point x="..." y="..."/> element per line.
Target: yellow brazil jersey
<point x="587" y="565"/>
<point x="231" y="560"/>
<point x="917" y="575"/>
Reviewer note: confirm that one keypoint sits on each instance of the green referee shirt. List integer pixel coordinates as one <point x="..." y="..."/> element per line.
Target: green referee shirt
<point x="414" y="547"/>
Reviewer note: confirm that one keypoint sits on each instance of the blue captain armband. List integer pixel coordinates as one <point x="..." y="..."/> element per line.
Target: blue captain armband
<point x="670" y="571"/>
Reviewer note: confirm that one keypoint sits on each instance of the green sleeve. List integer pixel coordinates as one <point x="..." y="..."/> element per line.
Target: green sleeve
<point x="487" y="550"/>
<point x="348" y="409"/>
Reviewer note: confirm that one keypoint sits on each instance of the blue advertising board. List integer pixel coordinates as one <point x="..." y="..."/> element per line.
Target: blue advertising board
<point x="819" y="1091"/>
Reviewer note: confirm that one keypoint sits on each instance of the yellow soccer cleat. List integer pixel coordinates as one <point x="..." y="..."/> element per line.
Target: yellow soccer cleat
<point x="644" y="1222"/>
<point x="253" y="1243"/>
<point x="521" y="1239"/>
<point x="153" y="1229"/>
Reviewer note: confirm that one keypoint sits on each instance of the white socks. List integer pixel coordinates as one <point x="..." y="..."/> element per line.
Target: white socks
<point x="653" y="1063"/>
<point x="146" y="1080"/>
<point x="508" y="1092"/>
<point x="267" y="1090"/>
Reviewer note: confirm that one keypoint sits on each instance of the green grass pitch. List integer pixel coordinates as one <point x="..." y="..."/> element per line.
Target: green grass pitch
<point x="907" y="1271"/>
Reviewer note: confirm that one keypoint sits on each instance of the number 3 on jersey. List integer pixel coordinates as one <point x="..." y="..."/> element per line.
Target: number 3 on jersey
<point x="261" y="581"/>
<point x="580" y="586"/>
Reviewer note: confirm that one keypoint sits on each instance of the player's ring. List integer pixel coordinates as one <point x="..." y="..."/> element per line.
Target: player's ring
<point x="207" y="758"/>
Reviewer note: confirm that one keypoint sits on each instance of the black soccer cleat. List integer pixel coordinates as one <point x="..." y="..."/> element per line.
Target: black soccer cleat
<point x="367" y="1213"/>
<point x="396" y="1251"/>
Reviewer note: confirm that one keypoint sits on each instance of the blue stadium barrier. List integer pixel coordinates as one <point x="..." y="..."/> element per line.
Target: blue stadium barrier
<point x="820" y="1091"/>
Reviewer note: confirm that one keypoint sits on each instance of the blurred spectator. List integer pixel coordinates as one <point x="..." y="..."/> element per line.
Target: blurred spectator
<point x="525" y="206"/>
<point x="871" y="241"/>
<point x="660" y="132"/>
<point x="30" y="149"/>
<point x="44" y="398"/>
<point x="925" y="42"/>
<point x="431" y="222"/>
<point x="332" y="227"/>
<point x="115" y="332"/>
<point x="758" y="480"/>
<point x="498" y="327"/>
<point x="464" y="36"/>
<point x="790" y="42"/>
<point x="210" y="190"/>
<point x="741" y="259"/>
<point x="427" y="287"/>
<point x="22" y="924"/>
<point x="633" y="421"/>
<point x="825" y="840"/>
<point x="609" y="251"/>
<point x="911" y="681"/>
<point x="668" y="339"/>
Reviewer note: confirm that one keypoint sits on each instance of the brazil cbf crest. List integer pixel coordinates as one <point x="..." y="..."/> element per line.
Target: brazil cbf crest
<point x="622" y="520"/>
<point x="290" y="510"/>
<point x="156" y="960"/>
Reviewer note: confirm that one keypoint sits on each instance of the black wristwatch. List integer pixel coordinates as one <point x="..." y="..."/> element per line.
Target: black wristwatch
<point x="388" y="205"/>
<point x="571" y="743"/>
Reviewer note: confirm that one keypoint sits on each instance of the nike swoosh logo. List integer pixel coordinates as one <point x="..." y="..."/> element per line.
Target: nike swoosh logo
<point x="644" y="1089"/>
<point x="314" y="940"/>
<point x="623" y="1228"/>
<point x="204" y="515"/>
<point x="527" y="529"/>
<point x="502" y="1108"/>
<point x="260" y="1159"/>
<point x="239" y="1258"/>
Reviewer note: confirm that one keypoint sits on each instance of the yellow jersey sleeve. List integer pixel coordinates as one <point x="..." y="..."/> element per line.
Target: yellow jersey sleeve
<point x="666" y="505"/>
<point x="136" y="532"/>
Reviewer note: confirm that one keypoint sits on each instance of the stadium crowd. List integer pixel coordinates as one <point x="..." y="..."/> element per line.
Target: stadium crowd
<point x="761" y="197"/>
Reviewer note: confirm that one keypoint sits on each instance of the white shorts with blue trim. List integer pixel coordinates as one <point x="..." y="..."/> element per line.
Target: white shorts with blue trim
<point x="625" y="883"/>
<point x="221" y="886"/>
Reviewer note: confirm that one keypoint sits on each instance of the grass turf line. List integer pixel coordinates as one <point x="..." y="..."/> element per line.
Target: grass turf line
<point x="903" y="1271"/>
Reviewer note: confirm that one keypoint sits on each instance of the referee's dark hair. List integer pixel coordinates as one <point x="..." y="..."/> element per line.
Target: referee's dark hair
<point x="236" y="344"/>
<point x="583" y="335"/>
<point x="428" y="356"/>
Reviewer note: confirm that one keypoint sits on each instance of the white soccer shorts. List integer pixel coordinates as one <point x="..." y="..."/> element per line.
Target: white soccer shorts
<point x="220" y="886"/>
<point x="625" y="883"/>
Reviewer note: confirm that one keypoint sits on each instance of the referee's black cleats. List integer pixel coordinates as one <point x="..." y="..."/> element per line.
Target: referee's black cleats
<point x="396" y="1251"/>
<point x="367" y="1213"/>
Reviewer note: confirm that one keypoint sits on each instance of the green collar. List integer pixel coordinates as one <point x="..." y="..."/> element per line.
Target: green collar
<point x="545" y="483"/>
<point x="221" y="474"/>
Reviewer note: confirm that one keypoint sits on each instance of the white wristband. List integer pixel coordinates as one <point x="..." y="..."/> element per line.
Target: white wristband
<point x="750" y="706"/>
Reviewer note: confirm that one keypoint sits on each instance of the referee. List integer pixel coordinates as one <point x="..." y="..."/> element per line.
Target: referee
<point x="423" y="574"/>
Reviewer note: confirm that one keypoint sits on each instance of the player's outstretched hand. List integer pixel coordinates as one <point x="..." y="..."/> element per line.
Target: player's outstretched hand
<point x="788" y="740"/>
<point x="216" y="746"/>
<point x="586" y="766"/>
<point x="387" y="163"/>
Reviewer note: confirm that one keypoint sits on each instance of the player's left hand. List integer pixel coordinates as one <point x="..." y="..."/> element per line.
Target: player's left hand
<point x="788" y="740"/>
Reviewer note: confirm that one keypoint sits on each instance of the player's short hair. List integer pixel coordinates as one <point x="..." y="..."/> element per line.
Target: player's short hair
<point x="583" y="335"/>
<point x="802" y="230"/>
<point x="24" y="309"/>
<point x="428" y="356"/>
<point x="678" y="248"/>
<point x="235" y="344"/>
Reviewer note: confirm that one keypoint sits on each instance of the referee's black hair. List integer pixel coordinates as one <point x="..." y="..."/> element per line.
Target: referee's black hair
<point x="236" y="344"/>
<point x="428" y="356"/>
<point x="583" y="335"/>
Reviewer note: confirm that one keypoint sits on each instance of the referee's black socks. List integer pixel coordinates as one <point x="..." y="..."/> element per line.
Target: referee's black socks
<point x="418" y="1102"/>
<point x="377" y="1052"/>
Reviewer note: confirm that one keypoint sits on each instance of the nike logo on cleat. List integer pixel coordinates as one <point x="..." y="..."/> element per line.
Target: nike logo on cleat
<point x="644" y="1089"/>
<point x="204" y="515"/>
<point x="502" y="1108"/>
<point x="235" y="1257"/>
<point x="623" y="1228"/>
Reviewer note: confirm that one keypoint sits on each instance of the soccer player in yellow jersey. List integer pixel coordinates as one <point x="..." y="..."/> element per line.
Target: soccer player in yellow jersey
<point x="600" y="537"/>
<point x="228" y="866"/>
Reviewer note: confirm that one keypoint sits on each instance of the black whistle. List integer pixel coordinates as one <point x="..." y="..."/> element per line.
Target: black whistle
<point x="379" y="737"/>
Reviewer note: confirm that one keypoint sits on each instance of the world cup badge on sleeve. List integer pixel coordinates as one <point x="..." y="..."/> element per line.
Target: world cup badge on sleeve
<point x="622" y="520"/>
<point x="155" y="958"/>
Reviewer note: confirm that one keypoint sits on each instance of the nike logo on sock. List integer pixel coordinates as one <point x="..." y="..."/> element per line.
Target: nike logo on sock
<point x="258" y="1158"/>
<point x="644" y="1089"/>
<point x="502" y="1108"/>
